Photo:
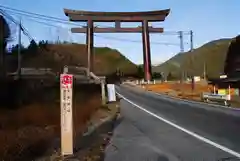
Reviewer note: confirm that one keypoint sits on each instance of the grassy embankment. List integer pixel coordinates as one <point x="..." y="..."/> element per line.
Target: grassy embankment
<point x="29" y="130"/>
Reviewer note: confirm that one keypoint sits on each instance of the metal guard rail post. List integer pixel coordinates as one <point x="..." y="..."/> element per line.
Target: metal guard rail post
<point x="206" y="97"/>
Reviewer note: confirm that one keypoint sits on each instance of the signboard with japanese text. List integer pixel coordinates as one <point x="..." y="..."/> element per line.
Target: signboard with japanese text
<point x="66" y="85"/>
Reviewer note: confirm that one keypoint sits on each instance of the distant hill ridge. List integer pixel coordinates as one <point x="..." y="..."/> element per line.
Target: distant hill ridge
<point x="212" y="54"/>
<point x="106" y="60"/>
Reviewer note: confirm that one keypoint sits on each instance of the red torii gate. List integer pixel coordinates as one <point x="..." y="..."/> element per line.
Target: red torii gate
<point x="118" y="17"/>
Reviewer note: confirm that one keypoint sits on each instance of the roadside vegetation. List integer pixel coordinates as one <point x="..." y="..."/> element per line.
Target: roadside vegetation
<point x="30" y="108"/>
<point x="32" y="129"/>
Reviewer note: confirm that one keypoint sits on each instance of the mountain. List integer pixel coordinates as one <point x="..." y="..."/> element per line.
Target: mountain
<point x="212" y="54"/>
<point x="106" y="60"/>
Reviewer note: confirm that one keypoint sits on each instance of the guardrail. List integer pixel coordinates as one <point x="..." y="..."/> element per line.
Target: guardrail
<point x="206" y="97"/>
<point x="80" y="74"/>
<point x="142" y="82"/>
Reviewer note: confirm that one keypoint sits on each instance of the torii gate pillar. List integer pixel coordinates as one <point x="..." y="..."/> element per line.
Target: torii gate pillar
<point x="146" y="51"/>
<point x="89" y="39"/>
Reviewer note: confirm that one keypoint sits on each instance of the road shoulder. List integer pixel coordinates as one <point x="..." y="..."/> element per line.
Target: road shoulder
<point x="91" y="144"/>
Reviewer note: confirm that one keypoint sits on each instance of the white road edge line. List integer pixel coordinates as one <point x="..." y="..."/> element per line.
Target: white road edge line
<point x="223" y="148"/>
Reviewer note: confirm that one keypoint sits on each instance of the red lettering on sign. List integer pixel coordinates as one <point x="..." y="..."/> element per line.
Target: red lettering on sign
<point x="67" y="80"/>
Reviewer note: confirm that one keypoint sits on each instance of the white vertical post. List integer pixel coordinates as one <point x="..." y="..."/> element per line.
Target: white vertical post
<point x="148" y="82"/>
<point x="66" y="84"/>
<point x="111" y="93"/>
<point x="65" y="69"/>
<point x="103" y="92"/>
<point x="229" y="91"/>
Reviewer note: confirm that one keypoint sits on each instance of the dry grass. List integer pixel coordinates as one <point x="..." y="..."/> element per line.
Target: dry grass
<point x="184" y="91"/>
<point x="27" y="132"/>
<point x="181" y="90"/>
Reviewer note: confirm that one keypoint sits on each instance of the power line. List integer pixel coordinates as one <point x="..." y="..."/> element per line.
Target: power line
<point x="43" y="23"/>
<point x="60" y="20"/>
<point x="137" y="41"/>
<point x="39" y="16"/>
<point x="24" y="30"/>
<point x="31" y="13"/>
<point x="34" y="16"/>
<point x="113" y="38"/>
<point x="8" y="16"/>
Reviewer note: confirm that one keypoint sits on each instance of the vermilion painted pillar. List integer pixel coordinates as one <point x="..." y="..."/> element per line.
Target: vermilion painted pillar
<point x="90" y="46"/>
<point x="146" y="51"/>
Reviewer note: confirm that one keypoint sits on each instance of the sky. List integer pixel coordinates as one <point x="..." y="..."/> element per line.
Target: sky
<point x="208" y="19"/>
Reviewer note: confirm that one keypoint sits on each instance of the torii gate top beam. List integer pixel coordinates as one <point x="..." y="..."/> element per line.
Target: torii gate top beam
<point x="83" y="16"/>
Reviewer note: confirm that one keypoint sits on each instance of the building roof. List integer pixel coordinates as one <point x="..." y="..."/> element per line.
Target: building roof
<point x="224" y="80"/>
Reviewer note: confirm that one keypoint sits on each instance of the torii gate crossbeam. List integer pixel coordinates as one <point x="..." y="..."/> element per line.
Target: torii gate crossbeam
<point x="118" y="17"/>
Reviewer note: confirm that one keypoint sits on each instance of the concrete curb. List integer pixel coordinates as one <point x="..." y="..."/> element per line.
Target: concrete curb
<point x="93" y="127"/>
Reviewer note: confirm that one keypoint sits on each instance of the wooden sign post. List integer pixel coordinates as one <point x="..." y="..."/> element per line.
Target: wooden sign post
<point x="66" y="84"/>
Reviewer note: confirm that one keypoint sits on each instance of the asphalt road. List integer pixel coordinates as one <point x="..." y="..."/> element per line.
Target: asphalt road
<point x="158" y="128"/>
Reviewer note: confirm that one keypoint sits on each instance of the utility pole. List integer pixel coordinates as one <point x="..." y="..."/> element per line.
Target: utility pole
<point x="191" y="40"/>
<point x="192" y="61"/>
<point x="191" y="50"/>
<point x="58" y="38"/>
<point x="204" y="70"/>
<point x="19" y="49"/>
<point x="181" y="51"/>
<point x="181" y="41"/>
